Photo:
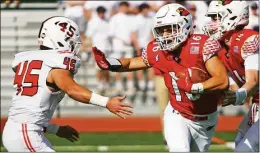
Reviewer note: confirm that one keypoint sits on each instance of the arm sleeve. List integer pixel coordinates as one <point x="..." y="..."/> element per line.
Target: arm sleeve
<point x="251" y="62"/>
<point x="250" y="46"/>
<point x="210" y="48"/>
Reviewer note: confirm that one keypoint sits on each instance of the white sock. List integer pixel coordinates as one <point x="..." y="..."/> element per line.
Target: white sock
<point x="141" y="84"/>
<point x="106" y="85"/>
<point x="100" y="85"/>
<point x="130" y="84"/>
<point x="150" y="85"/>
<point x="119" y="85"/>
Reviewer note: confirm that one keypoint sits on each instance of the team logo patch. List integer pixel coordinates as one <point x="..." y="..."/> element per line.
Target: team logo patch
<point x="194" y="49"/>
<point x="182" y="11"/>
<point x="235" y="49"/>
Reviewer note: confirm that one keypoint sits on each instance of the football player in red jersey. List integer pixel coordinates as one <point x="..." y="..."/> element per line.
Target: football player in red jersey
<point x="191" y="115"/>
<point x="240" y="56"/>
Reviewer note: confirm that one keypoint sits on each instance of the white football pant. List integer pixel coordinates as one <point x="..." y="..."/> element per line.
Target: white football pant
<point x="18" y="137"/>
<point x="184" y="135"/>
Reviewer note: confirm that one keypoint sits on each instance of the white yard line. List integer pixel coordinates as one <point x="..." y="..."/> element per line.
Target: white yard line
<point x="156" y="148"/>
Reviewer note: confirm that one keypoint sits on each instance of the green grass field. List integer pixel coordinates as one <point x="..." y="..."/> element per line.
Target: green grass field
<point x="126" y="142"/>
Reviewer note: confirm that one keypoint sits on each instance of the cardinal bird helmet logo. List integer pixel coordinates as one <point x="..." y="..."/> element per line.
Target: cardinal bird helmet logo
<point x="225" y="2"/>
<point x="182" y="11"/>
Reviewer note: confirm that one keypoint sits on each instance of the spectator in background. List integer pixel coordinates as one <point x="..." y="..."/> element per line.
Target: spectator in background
<point x="90" y="8"/>
<point x="134" y="6"/>
<point x="97" y="36"/>
<point x="9" y="2"/>
<point x="155" y="5"/>
<point x="253" y="17"/>
<point x="143" y="36"/>
<point x="74" y="11"/>
<point x="121" y="28"/>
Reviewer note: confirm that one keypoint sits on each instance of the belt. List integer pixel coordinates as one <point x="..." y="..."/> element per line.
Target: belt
<point x="191" y="117"/>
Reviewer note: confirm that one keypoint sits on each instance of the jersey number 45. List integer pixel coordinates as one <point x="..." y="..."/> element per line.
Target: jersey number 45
<point x="27" y="83"/>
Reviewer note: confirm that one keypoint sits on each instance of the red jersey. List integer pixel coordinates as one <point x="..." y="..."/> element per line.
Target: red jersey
<point x="192" y="54"/>
<point x="242" y="44"/>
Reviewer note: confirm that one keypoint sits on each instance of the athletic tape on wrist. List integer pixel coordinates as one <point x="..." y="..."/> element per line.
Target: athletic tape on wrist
<point x="241" y="95"/>
<point x="197" y="88"/>
<point x="98" y="100"/>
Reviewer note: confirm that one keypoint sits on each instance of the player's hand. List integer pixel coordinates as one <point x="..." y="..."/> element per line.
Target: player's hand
<point x="184" y="83"/>
<point x="100" y="59"/>
<point x="68" y="132"/>
<point x="229" y="98"/>
<point x="116" y="106"/>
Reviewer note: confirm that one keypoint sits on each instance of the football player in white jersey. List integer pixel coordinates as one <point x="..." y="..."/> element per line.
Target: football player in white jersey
<point x="42" y="78"/>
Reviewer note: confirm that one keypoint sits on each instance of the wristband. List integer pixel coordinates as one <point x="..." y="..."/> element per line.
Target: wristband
<point x="98" y="100"/>
<point x="241" y="95"/>
<point x="52" y="128"/>
<point x="114" y="64"/>
<point x="197" y="88"/>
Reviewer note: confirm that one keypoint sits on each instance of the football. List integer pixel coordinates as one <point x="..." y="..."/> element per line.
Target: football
<point x="198" y="75"/>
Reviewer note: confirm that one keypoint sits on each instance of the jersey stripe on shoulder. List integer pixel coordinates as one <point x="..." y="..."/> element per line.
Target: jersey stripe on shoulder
<point x="251" y="45"/>
<point x="144" y="57"/>
<point x="210" y="48"/>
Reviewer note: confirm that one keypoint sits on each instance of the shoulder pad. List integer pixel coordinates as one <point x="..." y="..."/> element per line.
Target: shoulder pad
<point x="51" y="58"/>
<point x="64" y="60"/>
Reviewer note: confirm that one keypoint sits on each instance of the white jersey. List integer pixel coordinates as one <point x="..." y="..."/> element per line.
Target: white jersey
<point x="32" y="100"/>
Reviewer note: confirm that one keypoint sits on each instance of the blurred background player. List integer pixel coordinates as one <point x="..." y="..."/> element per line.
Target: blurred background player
<point x="74" y="11"/>
<point x="42" y="78"/>
<point x="142" y="36"/>
<point x="189" y="120"/>
<point x="254" y="16"/>
<point x="240" y="57"/>
<point x="90" y="8"/>
<point x="196" y="8"/>
<point x="121" y="29"/>
<point x="97" y="35"/>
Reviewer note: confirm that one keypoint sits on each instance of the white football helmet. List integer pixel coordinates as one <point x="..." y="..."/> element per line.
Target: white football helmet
<point x="216" y="11"/>
<point x="60" y="33"/>
<point x="231" y="14"/>
<point x="178" y="18"/>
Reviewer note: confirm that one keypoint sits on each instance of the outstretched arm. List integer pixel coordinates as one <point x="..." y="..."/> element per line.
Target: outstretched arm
<point x="118" y="65"/>
<point x="63" y="79"/>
